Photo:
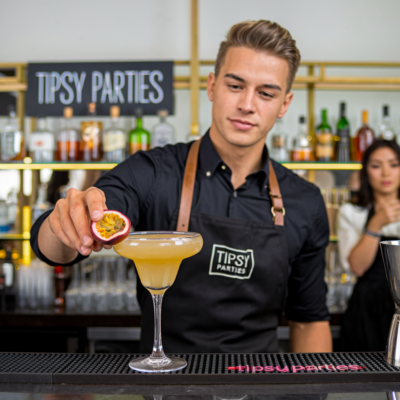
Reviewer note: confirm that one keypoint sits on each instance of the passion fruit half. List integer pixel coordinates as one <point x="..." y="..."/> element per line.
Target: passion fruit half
<point x="113" y="228"/>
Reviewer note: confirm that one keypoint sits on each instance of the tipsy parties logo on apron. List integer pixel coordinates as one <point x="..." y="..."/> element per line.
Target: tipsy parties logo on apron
<point x="232" y="263"/>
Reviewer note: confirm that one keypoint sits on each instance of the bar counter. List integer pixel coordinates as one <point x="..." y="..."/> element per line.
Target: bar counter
<point x="207" y="376"/>
<point x="338" y="391"/>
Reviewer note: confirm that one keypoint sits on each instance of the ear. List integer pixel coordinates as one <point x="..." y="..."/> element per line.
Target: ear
<point x="210" y="86"/>
<point x="286" y="104"/>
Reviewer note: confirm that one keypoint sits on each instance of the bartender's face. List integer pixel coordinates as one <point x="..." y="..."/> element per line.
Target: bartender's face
<point x="248" y="96"/>
<point x="383" y="171"/>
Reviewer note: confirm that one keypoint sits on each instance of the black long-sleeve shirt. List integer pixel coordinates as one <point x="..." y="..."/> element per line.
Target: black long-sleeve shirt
<point x="147" y="188"/>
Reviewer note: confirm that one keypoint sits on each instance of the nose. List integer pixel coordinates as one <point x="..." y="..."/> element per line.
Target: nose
<point x="385" y="169"/>
<point x="246" y="102"/>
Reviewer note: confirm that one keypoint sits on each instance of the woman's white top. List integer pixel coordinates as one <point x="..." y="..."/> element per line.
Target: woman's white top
<point x="350" y="227"/>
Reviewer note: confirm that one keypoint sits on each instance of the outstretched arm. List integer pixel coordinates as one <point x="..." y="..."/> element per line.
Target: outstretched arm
<point x="66" y="231"/>
<point x="310" y="337"/>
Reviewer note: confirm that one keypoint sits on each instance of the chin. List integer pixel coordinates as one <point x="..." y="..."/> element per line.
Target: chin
<point x="388" y="190"/>
<point x="241" y="139"/>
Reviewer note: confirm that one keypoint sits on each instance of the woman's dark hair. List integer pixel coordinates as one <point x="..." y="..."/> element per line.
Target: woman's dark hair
<point x="365" y="195"/>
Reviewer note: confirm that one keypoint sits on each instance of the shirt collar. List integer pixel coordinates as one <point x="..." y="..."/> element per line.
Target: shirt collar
<point x="209" y="160"/>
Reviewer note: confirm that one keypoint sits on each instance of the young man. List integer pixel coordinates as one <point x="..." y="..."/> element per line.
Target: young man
<point x="265" y="229"/>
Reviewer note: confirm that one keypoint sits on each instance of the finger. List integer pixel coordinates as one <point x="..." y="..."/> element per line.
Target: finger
<point x="107" y="246"/>
<point x="96" y="246"/>
<point x="55" y="227"/>
<point x="78" y="214"/>
<point x="69" y="229"/>
<point x="96" y="203"/>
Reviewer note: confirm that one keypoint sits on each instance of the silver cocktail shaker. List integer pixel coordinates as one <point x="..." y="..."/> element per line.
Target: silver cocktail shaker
<point x="391" y="260"/>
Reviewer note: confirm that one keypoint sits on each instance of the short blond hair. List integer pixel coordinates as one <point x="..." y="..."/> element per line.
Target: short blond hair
<point x="265" y="36"/>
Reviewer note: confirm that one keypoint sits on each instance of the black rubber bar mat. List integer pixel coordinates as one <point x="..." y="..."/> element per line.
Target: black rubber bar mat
<point x="203" y="369"/>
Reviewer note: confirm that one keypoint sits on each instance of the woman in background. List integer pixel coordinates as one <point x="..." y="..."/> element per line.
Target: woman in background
<point x="374" y="217"/>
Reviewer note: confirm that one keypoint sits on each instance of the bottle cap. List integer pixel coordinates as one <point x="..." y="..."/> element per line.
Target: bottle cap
<point x="162" y="113"/>
<point x="342" y="107"/>
<point x="68" y="112"/>
<point x="302" y="119"/>
<point x="386" y="111"/>
<point x="92" y="108"/>
<point x="365" y="117"/>
<point x="114" y="111"/>
<point x="139" y="112"/>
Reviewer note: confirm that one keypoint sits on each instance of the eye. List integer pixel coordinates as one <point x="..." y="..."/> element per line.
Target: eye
<point x="265" y="94"/>
<point x="394" y="165"/>
<point x="374" y="166"/>
<point x="234" y="87"/>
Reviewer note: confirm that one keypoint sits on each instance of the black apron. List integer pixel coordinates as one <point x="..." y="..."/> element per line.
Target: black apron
<point x="367" y="320"/>
<point x="229" y="297"/>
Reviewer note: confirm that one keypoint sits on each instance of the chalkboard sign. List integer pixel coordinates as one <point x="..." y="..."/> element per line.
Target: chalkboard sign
<point x="130" y="85"/>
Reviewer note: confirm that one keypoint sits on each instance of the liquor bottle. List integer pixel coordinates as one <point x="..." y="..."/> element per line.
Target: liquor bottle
<point x="163" y="133"/>
<point x="301" y="144"/>
<point x="8" y="294"/>
<point x="59" y="286"/>
<point x="385" y="130"/>
<point x="12" y="139"/>
<point x="365" y="137"/>
<point x="41" y="144"/>
<point x="139" y="138"/>
<point x="324" y="148"/>
<point x="90" y="143"/>
<point x="41" y="205"/>
<point x="343" y="132"/>
<point x="114" y="142"/>
<point x="279" y="151"/>
<point x="12" y="208"/>
<point x="4" y="226"/>
<point x="67" y="139"/>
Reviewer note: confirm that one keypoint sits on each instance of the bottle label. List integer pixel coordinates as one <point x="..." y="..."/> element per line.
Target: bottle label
<point x="278" y="142"/>
<point x="344" y="135"/>
<point x="135" y="147"/>
<point x="11" y="146"/>
<point x="8" y="270"/>
<point x="324" y="151"/>
<point x="114" y="141"/>
<point x="41" y="141"/>
<point x="324" y="147"/>
<point x="163" y="135"/>
<point x="90" y="130"/>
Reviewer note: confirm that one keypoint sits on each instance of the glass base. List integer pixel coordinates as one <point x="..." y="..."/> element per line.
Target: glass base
<point x="152" y="364"/>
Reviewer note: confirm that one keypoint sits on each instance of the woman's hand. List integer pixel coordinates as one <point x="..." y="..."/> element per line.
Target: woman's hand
<point x="385" y="213"/>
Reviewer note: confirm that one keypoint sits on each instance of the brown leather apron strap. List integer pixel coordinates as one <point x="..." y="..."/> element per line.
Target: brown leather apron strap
<point x="277" y="209"/>
<point x="189" y="179"/>
<point x="187" y="188"/>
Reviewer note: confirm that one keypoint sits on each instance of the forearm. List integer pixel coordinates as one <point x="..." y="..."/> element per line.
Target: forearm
<point x="310" y="337"/>
<point x="52" y="247"/>
<point x="363" y="254"/>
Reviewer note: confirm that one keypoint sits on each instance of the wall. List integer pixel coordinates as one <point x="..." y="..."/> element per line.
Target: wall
<point x="356" y="30"/>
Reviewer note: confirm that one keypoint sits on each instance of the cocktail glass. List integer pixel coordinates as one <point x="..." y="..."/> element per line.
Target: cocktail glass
<point x="157" y="256"/>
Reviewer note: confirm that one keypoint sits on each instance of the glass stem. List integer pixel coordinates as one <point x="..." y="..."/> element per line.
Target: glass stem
<point x="158" y="351"/>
